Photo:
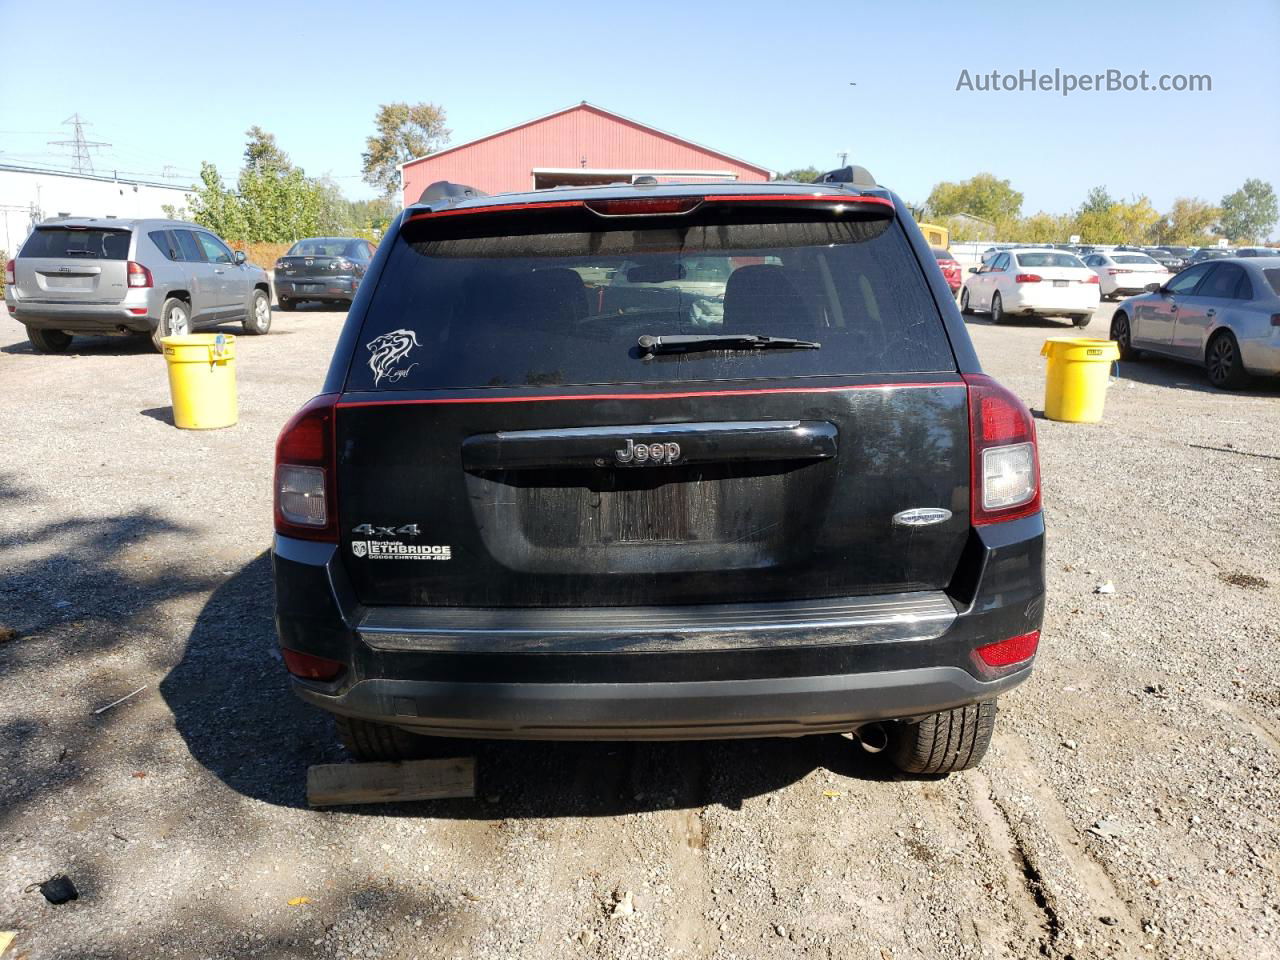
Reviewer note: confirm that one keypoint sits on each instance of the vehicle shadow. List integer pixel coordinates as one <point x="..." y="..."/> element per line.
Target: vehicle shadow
<point x="1159" y="372"/>
<point x="91" y="347"/>
<point x="231" y="703"/>
<point x="984" y="320"/>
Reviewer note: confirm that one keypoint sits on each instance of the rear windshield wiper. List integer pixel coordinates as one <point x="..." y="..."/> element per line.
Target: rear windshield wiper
<point x="682" y="343"/>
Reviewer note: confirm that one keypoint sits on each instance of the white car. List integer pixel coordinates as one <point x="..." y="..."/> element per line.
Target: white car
<point x="1123" y="273"/>
<point x="1045" y="283"/>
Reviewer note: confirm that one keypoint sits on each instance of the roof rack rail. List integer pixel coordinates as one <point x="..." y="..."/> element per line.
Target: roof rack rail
<point x="857" y="176"/>
<point x="444" y="193"/>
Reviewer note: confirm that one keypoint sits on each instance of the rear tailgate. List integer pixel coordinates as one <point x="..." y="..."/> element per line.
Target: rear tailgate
<point x="502" y="443"/>
<point x="760" y="495"/>
<point x="309" y="267"/>
<point x="70" y="264"/>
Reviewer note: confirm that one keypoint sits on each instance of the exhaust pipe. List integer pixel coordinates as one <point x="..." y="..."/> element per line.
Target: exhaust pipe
<point x="873" y="737"/>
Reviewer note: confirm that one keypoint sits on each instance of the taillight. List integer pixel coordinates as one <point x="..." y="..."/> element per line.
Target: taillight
<point x="1004" y="459"/>
<point x="9" y="270"/>
<point x="1093" y="278"/>
<point x="1027" y="278"/>
<point x="1275" y="319"/>
<point x="304" y="482"/>
<point x="139" y="276"/>
<point x="1005" y="653"/>
<point x="311" y="667"/>
<point x="646" y="206"/>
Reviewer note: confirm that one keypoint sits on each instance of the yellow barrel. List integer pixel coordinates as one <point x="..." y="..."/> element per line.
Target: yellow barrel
<point x="202" y="380"/>
<point x="1075" y="389"/>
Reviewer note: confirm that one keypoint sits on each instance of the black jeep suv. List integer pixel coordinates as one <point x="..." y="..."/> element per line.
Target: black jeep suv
<point x="659" y="462"/>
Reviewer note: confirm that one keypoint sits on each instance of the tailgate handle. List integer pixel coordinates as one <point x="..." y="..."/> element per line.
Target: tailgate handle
<point x="651" y="445"/>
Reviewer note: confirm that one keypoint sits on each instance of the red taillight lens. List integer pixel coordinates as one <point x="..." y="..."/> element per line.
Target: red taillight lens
<point x="1008" y="652"/>
<point x="310" y="667"/>
<point x="646" y="206"/>
<point x="1093" y="279"/>
<point x="1004" y="459"/>
<point x="1275" y="319"/>
<point x="1027" y="278"/>
<point x="139" y="276"/>
<point x="9" y="270"/>
<point x="304" y="482"/>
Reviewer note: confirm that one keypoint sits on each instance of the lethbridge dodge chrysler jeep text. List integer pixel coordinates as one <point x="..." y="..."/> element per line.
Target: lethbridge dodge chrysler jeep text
<point x="659" y="462"/>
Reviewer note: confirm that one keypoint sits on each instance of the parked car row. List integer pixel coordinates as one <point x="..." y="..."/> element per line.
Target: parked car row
<point x="106" y="276"/>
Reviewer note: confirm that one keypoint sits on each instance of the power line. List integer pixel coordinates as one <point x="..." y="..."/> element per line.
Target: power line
<point x="80" y="147"/>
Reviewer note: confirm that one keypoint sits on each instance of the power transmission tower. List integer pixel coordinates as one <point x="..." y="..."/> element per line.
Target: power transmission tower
<point x="80" y="147"/>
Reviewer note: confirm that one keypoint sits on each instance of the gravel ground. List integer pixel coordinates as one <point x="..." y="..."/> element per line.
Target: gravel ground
<point x="1129" y="807"/>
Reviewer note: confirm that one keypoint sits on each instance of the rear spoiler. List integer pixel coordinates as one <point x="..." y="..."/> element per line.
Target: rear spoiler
<point x="857" y="176"/>
<point x="442" y="193"/>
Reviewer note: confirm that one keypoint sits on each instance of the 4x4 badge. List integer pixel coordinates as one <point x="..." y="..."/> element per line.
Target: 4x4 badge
<point x="648" y="453"/>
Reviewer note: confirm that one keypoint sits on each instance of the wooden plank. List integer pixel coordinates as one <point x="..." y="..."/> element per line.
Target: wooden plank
<point x="332" y="784"/>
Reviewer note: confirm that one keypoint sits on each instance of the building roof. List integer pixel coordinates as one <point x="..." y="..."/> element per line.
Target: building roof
<point x="56" y="172"/>
<point x="585" y="105"/>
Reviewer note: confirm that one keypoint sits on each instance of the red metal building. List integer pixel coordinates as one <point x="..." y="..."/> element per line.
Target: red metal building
<point x="582" y="144"/>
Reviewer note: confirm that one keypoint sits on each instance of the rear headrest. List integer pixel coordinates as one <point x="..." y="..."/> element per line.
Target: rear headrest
<point x="762" y="299"/>
<point x="550" y="299"/>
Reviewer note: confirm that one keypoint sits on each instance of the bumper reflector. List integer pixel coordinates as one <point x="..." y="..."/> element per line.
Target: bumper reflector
<point x="1014" y="650"/>
<point x="309" y="667"/>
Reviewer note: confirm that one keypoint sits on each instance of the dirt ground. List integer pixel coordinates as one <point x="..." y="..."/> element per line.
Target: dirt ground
<point x="1130" y="806"/>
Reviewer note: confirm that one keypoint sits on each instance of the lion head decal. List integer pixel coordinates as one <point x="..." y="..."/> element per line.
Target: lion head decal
<point x="388" y="350"/>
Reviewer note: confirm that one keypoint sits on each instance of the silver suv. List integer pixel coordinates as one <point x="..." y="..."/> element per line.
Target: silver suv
<point x="78" y="275"/>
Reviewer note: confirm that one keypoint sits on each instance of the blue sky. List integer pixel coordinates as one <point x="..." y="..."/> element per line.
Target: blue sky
<point x="762" y="81"/>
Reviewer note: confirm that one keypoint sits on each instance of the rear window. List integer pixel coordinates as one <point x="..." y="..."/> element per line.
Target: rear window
<point x="1048" y="260"/>
<point x="548" y="308"/>
<point x="1273" y="278"/>
<point x="77" y="242"/>
<point x="940" y="254"/>
<point x="319" y="248"/>
<point x="1134" y="258"/>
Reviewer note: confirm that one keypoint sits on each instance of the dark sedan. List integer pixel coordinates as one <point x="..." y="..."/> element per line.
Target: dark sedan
<point x="323" y="269"/>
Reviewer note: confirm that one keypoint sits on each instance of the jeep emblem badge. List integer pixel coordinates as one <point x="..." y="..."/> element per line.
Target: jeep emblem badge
<point x="648" y="452"/>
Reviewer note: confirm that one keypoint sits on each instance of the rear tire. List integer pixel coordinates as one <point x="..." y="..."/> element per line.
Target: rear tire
<point x="258" y="320"/>
<point x="286" y="305"/>
<point x="997" y="309"/>
<point x="370" y="741"/>
<point x="48" y="341"/>
<point x="964" y="301"/>
<point x="1224" y="364"/>
<point x="943" y="742"/>
<point x="1082" y="321"/>
<point x="175" y="321"/>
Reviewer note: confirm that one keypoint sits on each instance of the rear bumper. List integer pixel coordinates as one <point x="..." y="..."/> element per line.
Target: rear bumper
<point x="1049" y="303"/>
<point x="316" y="288"/>
<point x="93" y="318"/>
<point x="727" y="671"/>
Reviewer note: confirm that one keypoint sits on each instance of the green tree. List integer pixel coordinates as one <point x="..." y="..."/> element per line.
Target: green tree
<point x="262" y="153"/>
<point x="1189" y="222"/>
<point x="803" y="175"/>
<point x="1249" y="214"/>
<point x="403" y="132"/>
<point x="1098" y="220"/>
<point x="1040" y="227"/>
<point x="216" y="207"/>
<point x="982" y="195"/>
